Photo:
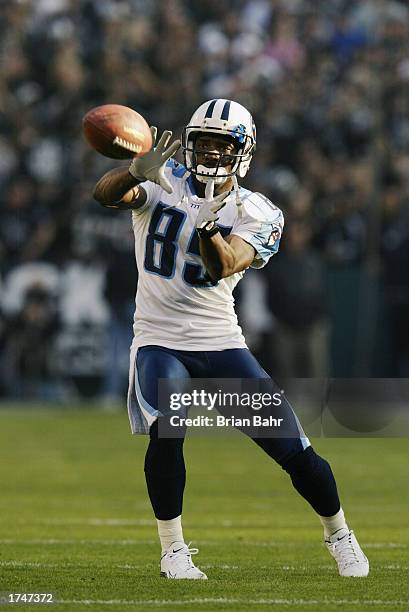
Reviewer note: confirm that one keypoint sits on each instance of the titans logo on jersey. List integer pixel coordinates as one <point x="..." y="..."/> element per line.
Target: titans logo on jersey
<point x="177" y="304"/>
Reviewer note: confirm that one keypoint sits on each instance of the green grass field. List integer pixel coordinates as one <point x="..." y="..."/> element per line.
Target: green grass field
<point x="75" y="521"/>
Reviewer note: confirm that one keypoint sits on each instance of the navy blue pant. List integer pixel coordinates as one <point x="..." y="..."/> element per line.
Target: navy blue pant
<point x="164" y="463"/>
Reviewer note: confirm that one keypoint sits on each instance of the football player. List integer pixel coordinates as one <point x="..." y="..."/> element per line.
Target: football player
<point x="196" y="232"/>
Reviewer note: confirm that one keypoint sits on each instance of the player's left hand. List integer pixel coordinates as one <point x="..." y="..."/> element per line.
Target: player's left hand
<point x="210" y="206"/>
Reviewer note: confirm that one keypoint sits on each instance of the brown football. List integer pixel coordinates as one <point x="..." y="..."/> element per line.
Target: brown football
<point x="117" y="131"/>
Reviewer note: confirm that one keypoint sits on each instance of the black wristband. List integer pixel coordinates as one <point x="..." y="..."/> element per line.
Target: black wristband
<point x="207" y="233"/>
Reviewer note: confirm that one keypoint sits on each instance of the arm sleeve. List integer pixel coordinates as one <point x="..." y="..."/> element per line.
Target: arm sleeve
<point x="261" y="225"/>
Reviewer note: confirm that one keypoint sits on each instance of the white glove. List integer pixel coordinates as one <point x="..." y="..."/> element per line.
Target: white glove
<point x="151" y="167"/>
<point x="210" y="205"/>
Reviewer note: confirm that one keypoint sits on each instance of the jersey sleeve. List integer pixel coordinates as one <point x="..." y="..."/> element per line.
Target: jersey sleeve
<point x="153" y="194"/>
<point x="260" y="224"/>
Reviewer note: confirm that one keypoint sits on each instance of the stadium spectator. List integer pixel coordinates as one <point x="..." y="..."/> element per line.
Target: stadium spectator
<point x="29" y="339"/>
<point x="328" y="87"/>
<point x="296" y="297"/>
<point x="395" y="278"/>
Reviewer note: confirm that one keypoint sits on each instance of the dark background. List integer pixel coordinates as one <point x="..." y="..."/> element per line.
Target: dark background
<point x="329" y="91"/>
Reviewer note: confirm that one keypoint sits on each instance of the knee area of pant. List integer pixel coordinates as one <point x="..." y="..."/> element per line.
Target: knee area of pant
<point x="155" y="436"/>
<point x="164" y="458"/>
<point x="305" y="461"/>
<point x="167" y="447"/>
<point x="157" y="468"/>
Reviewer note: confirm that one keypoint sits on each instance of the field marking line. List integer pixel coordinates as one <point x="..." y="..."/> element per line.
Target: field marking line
<point x="385" y="545"/>
<point x="129" y="522"/>
<point x="226" y="600"/>
<point x="211" y="566"/>
<point x="127" y="566"/>
<point x="98" y="522"/>
<point x="138" y="542"/>
<point x="52" y="541"/>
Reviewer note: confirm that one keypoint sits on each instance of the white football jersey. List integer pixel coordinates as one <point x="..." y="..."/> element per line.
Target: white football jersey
<point x="178" y="306"/>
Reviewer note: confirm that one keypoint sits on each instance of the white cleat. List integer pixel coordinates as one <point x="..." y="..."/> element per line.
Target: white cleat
<point x="176" y="562"/>
<point x="344" y="547"/>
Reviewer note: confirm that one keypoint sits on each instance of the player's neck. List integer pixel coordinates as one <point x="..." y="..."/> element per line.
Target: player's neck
<point x="201" y="187"/>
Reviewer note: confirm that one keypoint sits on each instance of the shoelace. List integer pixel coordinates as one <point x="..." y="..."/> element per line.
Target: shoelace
<point x="346" y="550"/>
<point x="186" y="552"/>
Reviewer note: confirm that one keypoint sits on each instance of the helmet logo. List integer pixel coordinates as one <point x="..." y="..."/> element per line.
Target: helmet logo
<point x="239" y="132"/>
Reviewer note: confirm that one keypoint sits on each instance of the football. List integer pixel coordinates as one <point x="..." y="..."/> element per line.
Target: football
<point x="117" y="131"/>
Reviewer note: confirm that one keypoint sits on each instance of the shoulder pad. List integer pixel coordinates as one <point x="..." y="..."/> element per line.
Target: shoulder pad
<point x="261" y="208"/>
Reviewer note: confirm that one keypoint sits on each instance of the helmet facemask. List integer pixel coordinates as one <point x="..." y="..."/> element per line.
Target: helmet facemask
<point x="217" y="162"/>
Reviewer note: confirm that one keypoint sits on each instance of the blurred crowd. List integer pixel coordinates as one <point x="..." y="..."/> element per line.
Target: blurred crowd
<point x="328" y="85"/>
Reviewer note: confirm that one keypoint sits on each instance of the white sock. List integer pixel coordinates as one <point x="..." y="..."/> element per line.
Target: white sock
<point x="170" y="531"/>
<point x="334" y="523"/>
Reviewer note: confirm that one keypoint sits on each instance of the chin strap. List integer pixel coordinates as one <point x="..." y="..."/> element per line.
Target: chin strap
<point x="185" y="196"/>
<point x="239" y="203"/>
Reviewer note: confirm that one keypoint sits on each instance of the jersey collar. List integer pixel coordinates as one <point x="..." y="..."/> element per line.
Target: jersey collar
<point x="191" y="184"/>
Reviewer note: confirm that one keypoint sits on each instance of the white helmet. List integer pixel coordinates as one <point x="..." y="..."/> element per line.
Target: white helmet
<point x="225" y="118"/>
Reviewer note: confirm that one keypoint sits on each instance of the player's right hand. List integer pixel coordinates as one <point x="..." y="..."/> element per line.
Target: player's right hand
<point x="151" y="167"/>
<point x="210" y="206"/>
